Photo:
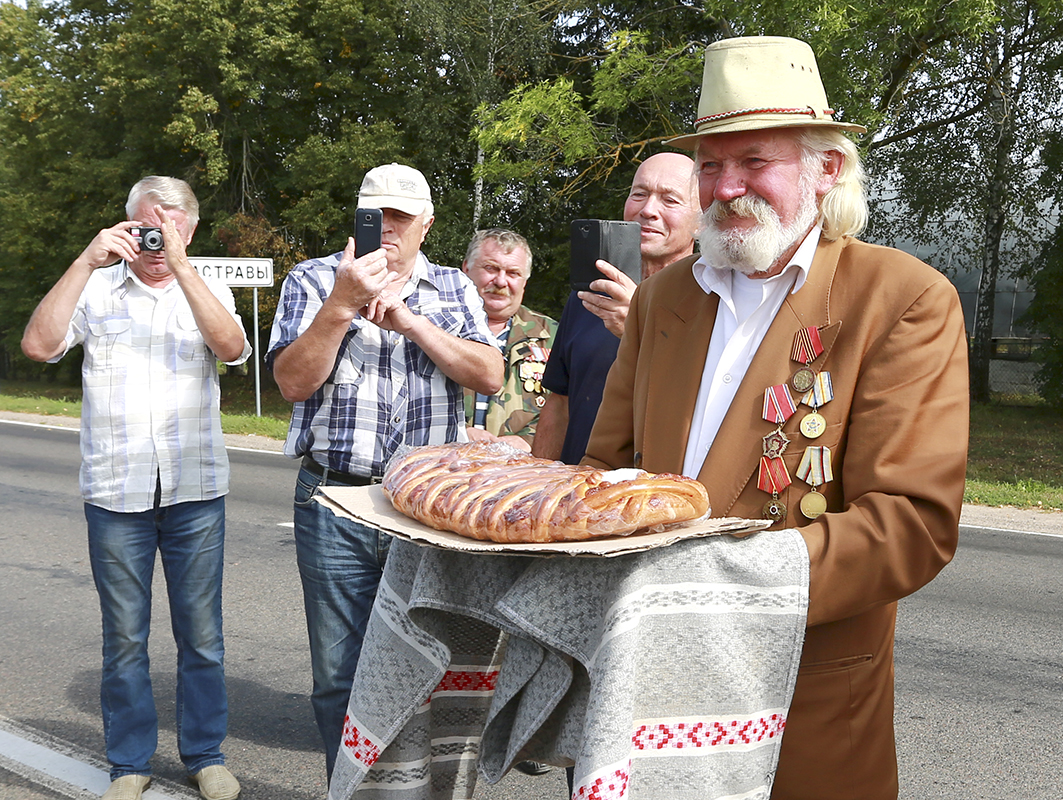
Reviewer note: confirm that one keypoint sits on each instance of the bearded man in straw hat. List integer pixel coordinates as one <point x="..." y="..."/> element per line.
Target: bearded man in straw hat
<point x="804" y="376"/>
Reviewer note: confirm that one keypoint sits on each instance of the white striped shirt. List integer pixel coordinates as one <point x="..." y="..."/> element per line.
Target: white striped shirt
<point x="151" y="397"/>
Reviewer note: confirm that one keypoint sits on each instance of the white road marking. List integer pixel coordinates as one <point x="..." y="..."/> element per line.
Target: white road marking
<point x="985" y="529"/>
<point x="69" y="776"/>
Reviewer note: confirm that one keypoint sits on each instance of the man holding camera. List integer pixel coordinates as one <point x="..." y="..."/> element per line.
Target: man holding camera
<point x="154" y="471"/>
<point x="499" y="262"/>
<point x="663" y="200"/>
<point x="374" y="352"/>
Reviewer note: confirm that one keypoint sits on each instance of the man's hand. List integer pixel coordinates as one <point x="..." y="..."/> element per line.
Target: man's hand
<point x="480" y="435"/>
<point x="45" y="334"/>
<point x="173" y="245"/>
<point x="611" y="307"/>
<point x="110" y="246"/>
<point x="359" y="281"/>
<point x="390" y="312"/>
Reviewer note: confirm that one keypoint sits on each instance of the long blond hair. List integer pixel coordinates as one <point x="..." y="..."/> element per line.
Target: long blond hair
<point x="843" y="210"/>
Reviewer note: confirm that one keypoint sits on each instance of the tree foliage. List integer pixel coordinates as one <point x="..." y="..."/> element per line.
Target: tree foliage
<point x="957" y="96"/>
<point x="1045" y="316"/>
<point x="522" y="113"/>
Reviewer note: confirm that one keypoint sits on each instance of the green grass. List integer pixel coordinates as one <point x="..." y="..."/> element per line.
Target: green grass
<point x="1016" y="452"/>
<point x="237" y="403"/>
<point x="1015" y="457"/>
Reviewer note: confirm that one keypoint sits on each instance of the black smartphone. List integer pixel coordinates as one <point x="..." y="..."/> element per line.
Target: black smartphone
<point x="367" y="223"/>
<point x="606" y="239"/>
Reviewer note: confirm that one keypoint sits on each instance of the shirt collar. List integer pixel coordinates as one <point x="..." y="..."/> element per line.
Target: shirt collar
<point x="419" y="273"/>
<point x="714" y="280"/>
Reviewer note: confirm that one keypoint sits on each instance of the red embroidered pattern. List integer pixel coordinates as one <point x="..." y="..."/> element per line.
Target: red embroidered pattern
<point x="457" y="681"/>
<point x="361" y="748"/>
<point x="613" y="787"/>
<point x="676" y="736"/>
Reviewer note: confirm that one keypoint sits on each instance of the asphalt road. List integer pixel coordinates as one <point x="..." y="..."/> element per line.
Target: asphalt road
<point x="979" y="654"/>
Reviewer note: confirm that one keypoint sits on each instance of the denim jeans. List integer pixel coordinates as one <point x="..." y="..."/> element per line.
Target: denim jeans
<point x="340" y="564"/>
<point x="190" y="538"/>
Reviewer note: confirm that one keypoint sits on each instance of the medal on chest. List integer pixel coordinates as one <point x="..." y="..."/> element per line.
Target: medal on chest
<point x="814" y="390"/>
<point x="815" y="470"/>
<point x="819" y="394"/>
<point x="531" y="375"/>
<point x="772" y="476"/>
<point x="807" y="348"/>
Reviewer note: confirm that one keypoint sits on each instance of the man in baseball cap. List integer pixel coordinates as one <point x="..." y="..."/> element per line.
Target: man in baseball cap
<point x="374" y="352"/>
<point x="396" y="186"/>
<point x="807" y="377"/>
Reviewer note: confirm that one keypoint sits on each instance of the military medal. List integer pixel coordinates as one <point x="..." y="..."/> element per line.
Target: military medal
<point x="820" y="393"/>
<point x="802" y="379"/>
<point x="531" y="371"/>
<point x="806" y="348"/>
<point x="779" y="404"/>
<point x="813" y="504"/>
<point x="812" y="425"/>
<point x="773" y="478"/>
<point x="815" y="470"/>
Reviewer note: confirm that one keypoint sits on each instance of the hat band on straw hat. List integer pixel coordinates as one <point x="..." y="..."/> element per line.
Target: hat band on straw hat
<point x="743" y="112"/>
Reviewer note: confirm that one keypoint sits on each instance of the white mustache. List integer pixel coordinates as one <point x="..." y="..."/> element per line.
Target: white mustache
<point x="503" y="291"/>
<point x="744" y="206"/>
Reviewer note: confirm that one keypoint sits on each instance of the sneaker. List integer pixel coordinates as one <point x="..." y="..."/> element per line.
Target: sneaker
<point x="532" y="767"/>
<point x="216" y="783"/>
<point x="128" y="787"/>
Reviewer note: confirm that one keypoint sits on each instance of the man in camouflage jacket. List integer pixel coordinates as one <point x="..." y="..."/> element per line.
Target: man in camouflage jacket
<point x="499" y="263"/>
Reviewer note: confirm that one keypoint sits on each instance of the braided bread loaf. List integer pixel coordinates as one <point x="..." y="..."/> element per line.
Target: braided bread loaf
<point x="491" y="491"/>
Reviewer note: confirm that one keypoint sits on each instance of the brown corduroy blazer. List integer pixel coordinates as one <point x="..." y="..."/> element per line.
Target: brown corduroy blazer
<point x="895" y="347"/>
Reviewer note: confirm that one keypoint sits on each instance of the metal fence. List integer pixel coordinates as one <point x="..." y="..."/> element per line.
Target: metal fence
<point x="1013" y="368"/>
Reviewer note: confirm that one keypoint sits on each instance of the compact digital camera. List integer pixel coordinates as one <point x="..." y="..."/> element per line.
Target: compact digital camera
<point x="149" y="238"/>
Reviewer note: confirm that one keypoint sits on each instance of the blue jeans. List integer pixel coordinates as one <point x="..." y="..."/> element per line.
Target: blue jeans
<point x="190" y="538"/>
<point x="340" y="564"/>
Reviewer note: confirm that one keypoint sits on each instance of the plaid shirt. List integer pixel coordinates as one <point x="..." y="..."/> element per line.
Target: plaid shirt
<point x="150" y="402"/>
<point x="384" y="390"/>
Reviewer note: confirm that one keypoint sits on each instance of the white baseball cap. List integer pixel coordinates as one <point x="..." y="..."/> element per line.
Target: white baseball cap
<point x="395" y="186"/>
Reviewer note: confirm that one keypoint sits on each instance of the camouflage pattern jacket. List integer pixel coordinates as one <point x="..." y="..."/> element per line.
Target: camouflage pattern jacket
<point x="515" y="409"/>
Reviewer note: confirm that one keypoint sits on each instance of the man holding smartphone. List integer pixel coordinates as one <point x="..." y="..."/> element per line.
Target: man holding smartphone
<point x="374" y="352"/>
<point x="663" y="200"/>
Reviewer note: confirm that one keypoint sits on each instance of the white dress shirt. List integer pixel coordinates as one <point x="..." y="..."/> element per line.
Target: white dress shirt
<point x="746" y="310"/>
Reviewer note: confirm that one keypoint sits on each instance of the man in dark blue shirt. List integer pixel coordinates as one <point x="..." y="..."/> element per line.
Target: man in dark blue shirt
<point x="663" y="200"/>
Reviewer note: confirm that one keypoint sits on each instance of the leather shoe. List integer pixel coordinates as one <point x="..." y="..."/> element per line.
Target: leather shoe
<point x="532" y="767"/>
<point x="127" y="787"/>
<point x="216" y="783"/>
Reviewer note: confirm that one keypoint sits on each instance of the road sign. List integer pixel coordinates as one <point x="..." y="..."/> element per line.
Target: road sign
<point x="241" y="272"/>
<point x="236" y="271"/>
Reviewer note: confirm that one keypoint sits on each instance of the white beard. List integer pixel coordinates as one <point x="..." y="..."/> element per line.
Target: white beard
<point x="756" y="249"/>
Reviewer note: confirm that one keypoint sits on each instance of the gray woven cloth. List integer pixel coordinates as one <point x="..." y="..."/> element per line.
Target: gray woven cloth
<point x="660" y="674"/>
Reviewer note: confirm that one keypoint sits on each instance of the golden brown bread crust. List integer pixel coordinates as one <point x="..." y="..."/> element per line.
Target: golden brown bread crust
<point x="492" y="492"/>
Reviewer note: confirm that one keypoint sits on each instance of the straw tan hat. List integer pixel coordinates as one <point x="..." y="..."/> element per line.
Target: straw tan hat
<point x="757" y="82"/>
